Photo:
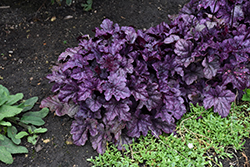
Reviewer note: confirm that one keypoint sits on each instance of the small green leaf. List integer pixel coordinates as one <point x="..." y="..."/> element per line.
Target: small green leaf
<point x="21" y="134"/>
<point x="8" y="111"/>
<point x="11" y="147"/>
<point x="4" y="90"/>
<point x="28" y="104"/>
<point x="246" y="96"/>
<point x="32" y="139"/>
<point x="1" y="137"/>
<point x="88" y="6"/>
<point x="5" y="156"/>
<point x="4" y="123"/>
<point x="40" y="114"/>
<point x="40" y="130"/>
<point x="11" y="132"/>
<point x="12" y="99"/>
<point x="3" y="98"/>
<point x="68" y="2"/>
<point x="32" y="120"/>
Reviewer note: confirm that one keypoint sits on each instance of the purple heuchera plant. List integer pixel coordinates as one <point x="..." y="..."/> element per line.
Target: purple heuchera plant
<point x="124" y="82"/>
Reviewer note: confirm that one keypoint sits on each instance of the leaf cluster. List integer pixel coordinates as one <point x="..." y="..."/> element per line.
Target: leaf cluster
<point x="123" y="83"/>
<point x="13" y="115"/>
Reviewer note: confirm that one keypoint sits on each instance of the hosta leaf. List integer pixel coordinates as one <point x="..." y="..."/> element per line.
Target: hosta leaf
<point x="11" y="147"/>
<point x="28" y="104"/>
<point x="12" y="99"/>
<point x="11" y="132"/>
<point x="5" y="156"/>
<point x="220" y="99"/>
<point x="9" y="111"/>
<point x="32" y="120"/>
<point x="41" y="114"/>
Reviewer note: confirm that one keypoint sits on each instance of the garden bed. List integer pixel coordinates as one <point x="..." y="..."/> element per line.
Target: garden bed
<point x="32" y="36"/>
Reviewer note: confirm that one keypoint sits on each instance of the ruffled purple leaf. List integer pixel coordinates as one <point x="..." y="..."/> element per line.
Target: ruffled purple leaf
<point x="158" y="126"/>
<point x="54" y="104"/>
<point x="211" y="68"/>
<point x="87" y="88"/>
<point x="68" y="91"/>
<point x="193" y="73"/>
<point x="138" y="88"/>
<point x="80" y="129"/>
<point x="69" y="52"/>
<point x="171" y="39"/>
<point x="95" y="102"/>
<point x="238" y="76"/>
<point x="173" y="106"/>
<point x="123" y="140"/>
<point x="100" y="140"/>
<point x="115" y="127"/>
<point x="118" y="109"/>
<point x="220" y="99"/>
<point x="107" y="28"/>
<point x="183" y="49"/>
<point x="154" y="97"/>
<point x="116" y="86"/>
<point x="85" y="112"/>
<point x="110" y="62"/>
<point x="138" y="124"/>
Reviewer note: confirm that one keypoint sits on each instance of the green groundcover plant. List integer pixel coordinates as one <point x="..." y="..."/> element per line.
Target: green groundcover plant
<point x="201" y="138"/>
<point x="124" y="83"/>
<point x="13" y="114"/>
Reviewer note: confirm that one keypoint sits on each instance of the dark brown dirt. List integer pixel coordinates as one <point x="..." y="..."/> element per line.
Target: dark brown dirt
<point x="30" y="42"/>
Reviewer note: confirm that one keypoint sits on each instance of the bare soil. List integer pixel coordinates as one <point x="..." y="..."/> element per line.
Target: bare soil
<point x="32" y="35"/>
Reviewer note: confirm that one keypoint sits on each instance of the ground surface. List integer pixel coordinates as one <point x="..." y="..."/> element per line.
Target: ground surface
<point x="32" y="35"/>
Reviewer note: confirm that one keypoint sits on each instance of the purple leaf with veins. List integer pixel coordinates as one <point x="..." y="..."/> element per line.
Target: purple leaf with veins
<point x="116" y="86"/>
<point x="220" y="99"/>
<point x="118" y="109"/>
<point x="154" y="97"/>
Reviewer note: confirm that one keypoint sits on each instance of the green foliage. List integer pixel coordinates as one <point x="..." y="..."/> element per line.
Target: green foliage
<point x="14" y="114"/>
<point x="202" y="137"/>
<point x="86" y="7"/>
<point x="246" y="96"/>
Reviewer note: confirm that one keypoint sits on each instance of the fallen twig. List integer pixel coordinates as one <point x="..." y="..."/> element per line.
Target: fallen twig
<point x="4" y="7"/>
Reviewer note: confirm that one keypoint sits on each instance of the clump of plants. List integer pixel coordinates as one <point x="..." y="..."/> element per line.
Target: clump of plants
<point x="86" y="6"/>
<point x="123" y="83"/>
<point x="15" y="116"/>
